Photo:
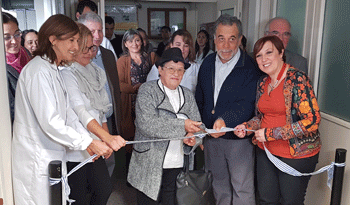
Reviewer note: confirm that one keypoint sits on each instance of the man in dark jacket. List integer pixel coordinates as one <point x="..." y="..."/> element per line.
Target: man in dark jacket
<point x="225" y="96"/>
<point x="281" y="28"/>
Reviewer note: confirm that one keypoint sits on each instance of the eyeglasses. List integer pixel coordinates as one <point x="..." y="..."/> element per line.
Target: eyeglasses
<point x="92" y="48"/>
<point x="276" y="33"/>
<point x="173" y="70"/>
<point x="16" y="36"/>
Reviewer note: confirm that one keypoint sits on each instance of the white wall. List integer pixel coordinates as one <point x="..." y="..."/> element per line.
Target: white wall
<point x="5" y="127"/>
<point x="334" y="132"/>
<point x="333" y="136"/>
<point x="197" y="13"/>
<point x="259" y="12"/>
<point x="207" y="12"/>
<point x="43" y="12"/>
<point x="142" y="13"/>
<point x="226" y="4"/>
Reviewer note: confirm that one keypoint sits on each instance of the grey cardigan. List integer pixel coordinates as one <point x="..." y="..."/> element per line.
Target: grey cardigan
<point x="156" y="119"/>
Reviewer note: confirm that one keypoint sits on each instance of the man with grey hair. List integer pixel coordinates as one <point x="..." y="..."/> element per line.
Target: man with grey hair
<point x="225" y="96"/>
<point x="281" y="28"/>
<point x="105" y="59"/>
<point x="86" y="6"/>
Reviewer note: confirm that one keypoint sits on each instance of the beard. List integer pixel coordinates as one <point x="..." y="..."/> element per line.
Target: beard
<point x="223" y="54"/>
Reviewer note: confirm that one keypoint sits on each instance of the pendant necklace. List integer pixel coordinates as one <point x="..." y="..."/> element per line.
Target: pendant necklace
<point x="278" y="77"/>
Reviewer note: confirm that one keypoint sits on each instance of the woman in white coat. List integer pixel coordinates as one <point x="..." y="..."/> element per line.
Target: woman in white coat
<point x="45" y="126"/>
<point x="182" y="39"/>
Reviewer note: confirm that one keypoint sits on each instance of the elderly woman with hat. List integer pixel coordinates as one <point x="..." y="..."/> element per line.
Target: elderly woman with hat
<point x="164" y="110"/>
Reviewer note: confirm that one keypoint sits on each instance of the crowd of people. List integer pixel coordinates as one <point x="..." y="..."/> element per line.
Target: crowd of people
<point x="74" y="92"/>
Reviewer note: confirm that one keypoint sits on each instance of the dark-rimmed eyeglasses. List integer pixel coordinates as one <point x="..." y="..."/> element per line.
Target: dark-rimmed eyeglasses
<point x="92" y="48"/>
<point x="16" y="36"/>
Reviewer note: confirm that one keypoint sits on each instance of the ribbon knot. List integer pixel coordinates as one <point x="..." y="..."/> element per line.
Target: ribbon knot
<point x="64" y="178"/>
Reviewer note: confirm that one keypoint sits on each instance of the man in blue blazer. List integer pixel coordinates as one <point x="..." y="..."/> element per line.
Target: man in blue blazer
<point x="225" y="95"/>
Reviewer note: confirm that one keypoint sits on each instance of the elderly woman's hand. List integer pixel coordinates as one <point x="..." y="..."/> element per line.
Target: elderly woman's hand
<point x="240" y="131"/>
<point x="190" y="141"/>
<point x="192" y="126"/>
<point x="260" y="135"/>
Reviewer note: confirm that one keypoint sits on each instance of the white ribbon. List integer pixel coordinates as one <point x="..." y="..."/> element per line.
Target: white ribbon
<point x="64" y="180"/>
<point x="285" y="167"/>
<point x="277" y="162"/>
<point x="291" y="171"/>
<point x="201" y="135"/>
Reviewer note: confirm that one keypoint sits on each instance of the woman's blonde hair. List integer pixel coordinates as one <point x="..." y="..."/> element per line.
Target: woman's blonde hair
<point x="84" y="34"/>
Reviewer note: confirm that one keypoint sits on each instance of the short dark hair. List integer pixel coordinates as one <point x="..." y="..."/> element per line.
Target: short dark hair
<point x="109" y="20"/>
<point x="7" y="18"/>
<point x="226" y="19"/>
<point x="166" y="28"/>
<point x="86" y="3"/>
<point x="57" y="25"/>
<point x="274" y="40"/>
<point x="25" y="32"/>
<point x="140" y="29"/>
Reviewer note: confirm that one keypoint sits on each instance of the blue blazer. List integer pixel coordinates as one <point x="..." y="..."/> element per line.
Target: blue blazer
<point x="236" y="100"/>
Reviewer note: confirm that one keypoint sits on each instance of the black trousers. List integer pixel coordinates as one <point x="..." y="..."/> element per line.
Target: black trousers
<point x="276" y="187"/>
<point x="167" y="195"/>
<point x="90" y="184"/>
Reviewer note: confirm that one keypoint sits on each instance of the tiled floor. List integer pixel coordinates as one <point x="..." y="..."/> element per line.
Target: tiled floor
<point x="122" y="194"/>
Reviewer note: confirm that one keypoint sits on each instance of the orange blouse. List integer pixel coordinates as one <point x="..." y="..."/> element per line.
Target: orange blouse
<point x="274" y="115"/>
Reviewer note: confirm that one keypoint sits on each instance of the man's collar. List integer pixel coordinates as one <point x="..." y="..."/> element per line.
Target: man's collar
<point x="98" y="52"/>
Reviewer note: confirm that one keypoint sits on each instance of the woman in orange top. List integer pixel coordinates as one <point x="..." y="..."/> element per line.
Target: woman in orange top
<point x="286" y="121"/>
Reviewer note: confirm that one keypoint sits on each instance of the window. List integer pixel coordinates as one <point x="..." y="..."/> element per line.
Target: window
<point x="334" y="84"/>
<point x="157" y="18"/>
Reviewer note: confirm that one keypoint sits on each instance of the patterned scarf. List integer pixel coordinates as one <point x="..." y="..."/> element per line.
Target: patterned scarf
<point x="18" y="60"/>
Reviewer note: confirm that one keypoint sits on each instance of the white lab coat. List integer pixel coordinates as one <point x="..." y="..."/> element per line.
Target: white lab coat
<point x="42" y="130"/>
<point x="189" y="80"/>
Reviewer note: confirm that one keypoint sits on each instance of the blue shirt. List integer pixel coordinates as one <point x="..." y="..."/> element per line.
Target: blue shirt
<point x="222" y="70"/>
<point x="98" y="61"/>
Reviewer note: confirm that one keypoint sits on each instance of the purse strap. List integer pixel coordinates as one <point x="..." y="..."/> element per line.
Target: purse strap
<point x="186" y="163"/>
